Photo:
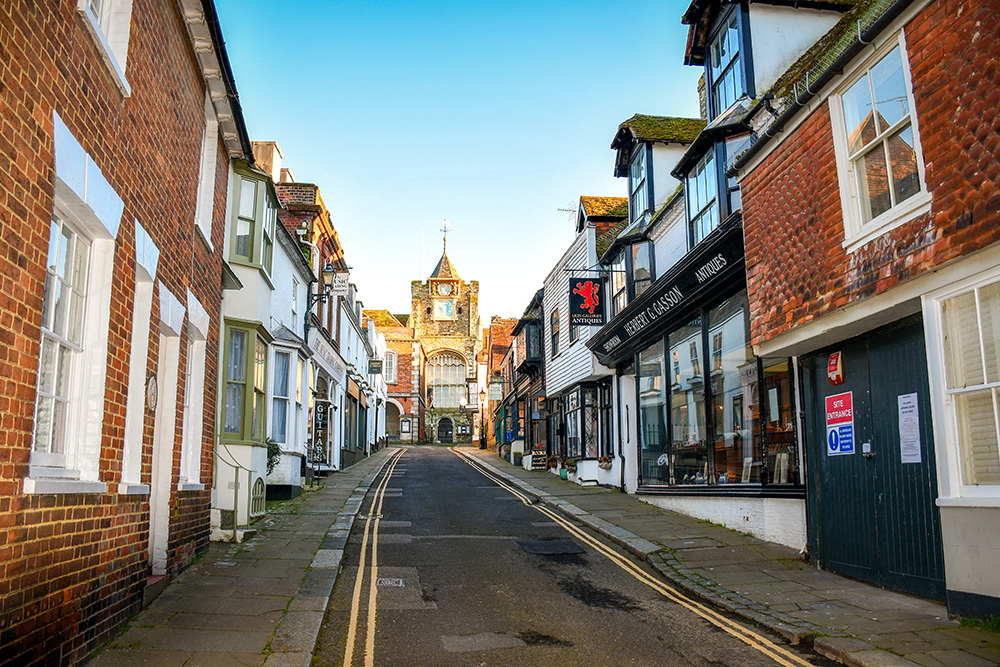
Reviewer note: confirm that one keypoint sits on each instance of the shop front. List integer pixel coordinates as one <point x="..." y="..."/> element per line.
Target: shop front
<point x="717" y="426"/>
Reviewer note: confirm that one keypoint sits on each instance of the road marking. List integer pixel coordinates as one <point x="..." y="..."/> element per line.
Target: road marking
<point x="373" y="513"/>
<point x="777" y="653"/>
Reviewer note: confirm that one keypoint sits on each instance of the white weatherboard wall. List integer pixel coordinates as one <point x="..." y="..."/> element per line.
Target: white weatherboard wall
<point x="781" y="520"/>
<point x="575" y="361"/>
<point x="780" y="35"/>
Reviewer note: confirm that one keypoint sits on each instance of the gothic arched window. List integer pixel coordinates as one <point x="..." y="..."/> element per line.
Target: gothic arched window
<point x="445" y="380"/>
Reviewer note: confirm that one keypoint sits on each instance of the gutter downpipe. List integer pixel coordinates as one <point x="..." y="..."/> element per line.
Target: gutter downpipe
<point x="864" y="39"/>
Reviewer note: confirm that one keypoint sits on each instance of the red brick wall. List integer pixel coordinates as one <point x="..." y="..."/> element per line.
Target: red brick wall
<point x="73" y="567"/>
<point x="793" y="224"/>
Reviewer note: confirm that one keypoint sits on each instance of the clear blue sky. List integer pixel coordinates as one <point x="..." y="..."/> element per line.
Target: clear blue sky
<point x="492" y="115"/>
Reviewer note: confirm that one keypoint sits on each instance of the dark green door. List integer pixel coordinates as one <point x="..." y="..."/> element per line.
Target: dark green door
<point x="872" y="512"/>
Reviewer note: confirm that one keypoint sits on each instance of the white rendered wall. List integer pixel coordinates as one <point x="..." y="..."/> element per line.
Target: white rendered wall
<point x="781" y="520"/>
<point x="669" y="239"/>
<point x="780" y="35"/>
<point x="665" y="158"/>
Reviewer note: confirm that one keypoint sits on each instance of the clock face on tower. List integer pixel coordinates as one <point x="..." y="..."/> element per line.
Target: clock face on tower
<point x="444" y="309"/>
<point x="444" y="289"/>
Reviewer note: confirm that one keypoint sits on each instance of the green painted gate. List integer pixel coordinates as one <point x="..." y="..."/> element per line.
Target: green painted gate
<point x="872" y="515"/>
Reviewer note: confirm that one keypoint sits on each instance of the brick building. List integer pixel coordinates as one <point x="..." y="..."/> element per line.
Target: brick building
<point x="872" y="223"/>
<point x="497" y="340"/>
<point x="403" y="371"/>
<point x="120" y="120"/>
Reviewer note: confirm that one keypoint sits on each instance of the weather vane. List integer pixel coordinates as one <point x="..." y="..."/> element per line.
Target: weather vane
<point x="445" y="228"/>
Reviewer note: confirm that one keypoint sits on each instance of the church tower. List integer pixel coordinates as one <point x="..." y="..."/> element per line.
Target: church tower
<point x="445" y="318"/>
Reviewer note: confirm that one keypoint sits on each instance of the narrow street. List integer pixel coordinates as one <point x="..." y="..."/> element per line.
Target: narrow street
<point x="469" y="574"/>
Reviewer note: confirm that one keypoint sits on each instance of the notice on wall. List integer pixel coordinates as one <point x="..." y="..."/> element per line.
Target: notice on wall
<point x="840" y="424"/>
<point x="909" y="429"/>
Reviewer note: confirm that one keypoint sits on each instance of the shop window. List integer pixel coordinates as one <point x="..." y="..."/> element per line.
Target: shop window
<point x="650" y="378"/>
<point x="719" y="430"/>
<point x="970" y="325"/>
<point x="571" y="410"/>
<point x="737" y="450"/>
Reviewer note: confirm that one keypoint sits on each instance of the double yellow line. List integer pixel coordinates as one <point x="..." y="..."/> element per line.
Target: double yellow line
<point x="777" y="653"/>
<point x="371" y="529"/>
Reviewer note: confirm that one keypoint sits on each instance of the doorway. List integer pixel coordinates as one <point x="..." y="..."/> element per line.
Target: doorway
<point x="446" y="431"/>
<point x="872" y="477"/>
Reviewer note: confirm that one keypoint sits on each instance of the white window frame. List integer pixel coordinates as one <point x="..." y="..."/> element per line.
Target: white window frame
<point x="109" y="22"/>
<point x="857" y="232"/>
<point x="952" y="491"/>
<point x="77" y="469"/>
<point x="290" y="394"/>
<point x="205" y="204"/>
<point x="638" y="187"/>
<point x="391" y="367"/>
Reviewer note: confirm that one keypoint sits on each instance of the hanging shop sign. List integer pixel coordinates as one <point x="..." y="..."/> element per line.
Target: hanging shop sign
<point x="374" y="366"/>
<point x="496" y="391"/>
<point x="586" y="298"/>
<point x="341" y="284"/>
<point x="840" y="424"/>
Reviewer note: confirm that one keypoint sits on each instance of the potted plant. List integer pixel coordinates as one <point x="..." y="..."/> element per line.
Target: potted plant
<point x="517" y="458"/>
<point x="553" y="462"/>
<point x="570" y="465"/>
<point x="604" y="463"/>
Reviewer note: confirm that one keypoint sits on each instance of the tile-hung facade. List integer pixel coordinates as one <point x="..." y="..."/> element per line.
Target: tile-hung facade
<point x="716" y="427"/>
<point x="872" y="253"/>
<point x="110" y="299"/>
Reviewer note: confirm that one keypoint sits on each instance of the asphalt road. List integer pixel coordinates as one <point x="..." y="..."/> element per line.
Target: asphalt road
<point x="467" y="574"/>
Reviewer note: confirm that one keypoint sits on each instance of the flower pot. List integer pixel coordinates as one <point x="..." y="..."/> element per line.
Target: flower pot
<point x="562" y="473"/>
<point x="604" y="465"/>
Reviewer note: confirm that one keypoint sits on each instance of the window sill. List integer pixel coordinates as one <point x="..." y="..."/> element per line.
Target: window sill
<point x="93" y="29"/>
<point x="186" y="486"/>
<point x="891" y="219"/>
<point x="55" y="485"/>
<point x="127" y="489"/>
<point x="969" y="502"/>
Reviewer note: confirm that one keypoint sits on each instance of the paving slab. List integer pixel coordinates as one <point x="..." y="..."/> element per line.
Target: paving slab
<point x="257" y="603"/>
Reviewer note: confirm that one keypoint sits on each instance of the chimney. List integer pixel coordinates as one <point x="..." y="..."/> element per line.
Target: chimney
<point x="702" y="99"/>
<point x="267" y="155"/>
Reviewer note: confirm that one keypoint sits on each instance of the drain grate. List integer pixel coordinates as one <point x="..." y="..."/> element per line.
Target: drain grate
<point x="556" y="547"/>
<point x="389" y="582"/>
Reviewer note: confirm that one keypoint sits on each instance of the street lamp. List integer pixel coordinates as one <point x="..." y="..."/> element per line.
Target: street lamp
<point x="482" y="419"/>
<point x="327" y="275"/>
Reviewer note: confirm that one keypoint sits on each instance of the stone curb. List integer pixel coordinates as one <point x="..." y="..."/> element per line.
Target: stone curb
<point x="294" y="639"/>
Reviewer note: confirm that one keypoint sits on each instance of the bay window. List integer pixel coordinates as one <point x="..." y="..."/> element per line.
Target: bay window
<point x="254" y="222"/>
<point x="245" y="387"/>
<point x="280" y="400"/>
<point x="701" y="190"/>
<point x="638" y="183"/>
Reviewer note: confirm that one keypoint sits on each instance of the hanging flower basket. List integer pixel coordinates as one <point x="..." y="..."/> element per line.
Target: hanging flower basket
<point x="604" y="463"/>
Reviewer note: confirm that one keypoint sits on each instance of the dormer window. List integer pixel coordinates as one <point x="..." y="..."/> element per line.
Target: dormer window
<point x="638" y="183"/>
<point x="725" y="70"/>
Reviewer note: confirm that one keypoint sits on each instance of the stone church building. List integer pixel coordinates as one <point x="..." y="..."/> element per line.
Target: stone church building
<point x="432" y="358"/>
<point x="445" y="318"/>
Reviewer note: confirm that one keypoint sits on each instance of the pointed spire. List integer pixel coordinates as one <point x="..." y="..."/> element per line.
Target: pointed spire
<point x="444" y="269"/>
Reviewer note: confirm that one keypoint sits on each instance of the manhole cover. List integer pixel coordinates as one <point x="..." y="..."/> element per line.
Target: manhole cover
<point x="388" y="582"/>
<point x="555" y="547"/>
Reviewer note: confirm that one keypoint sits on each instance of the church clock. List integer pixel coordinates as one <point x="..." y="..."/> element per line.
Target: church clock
<point x="444" y="309"/>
